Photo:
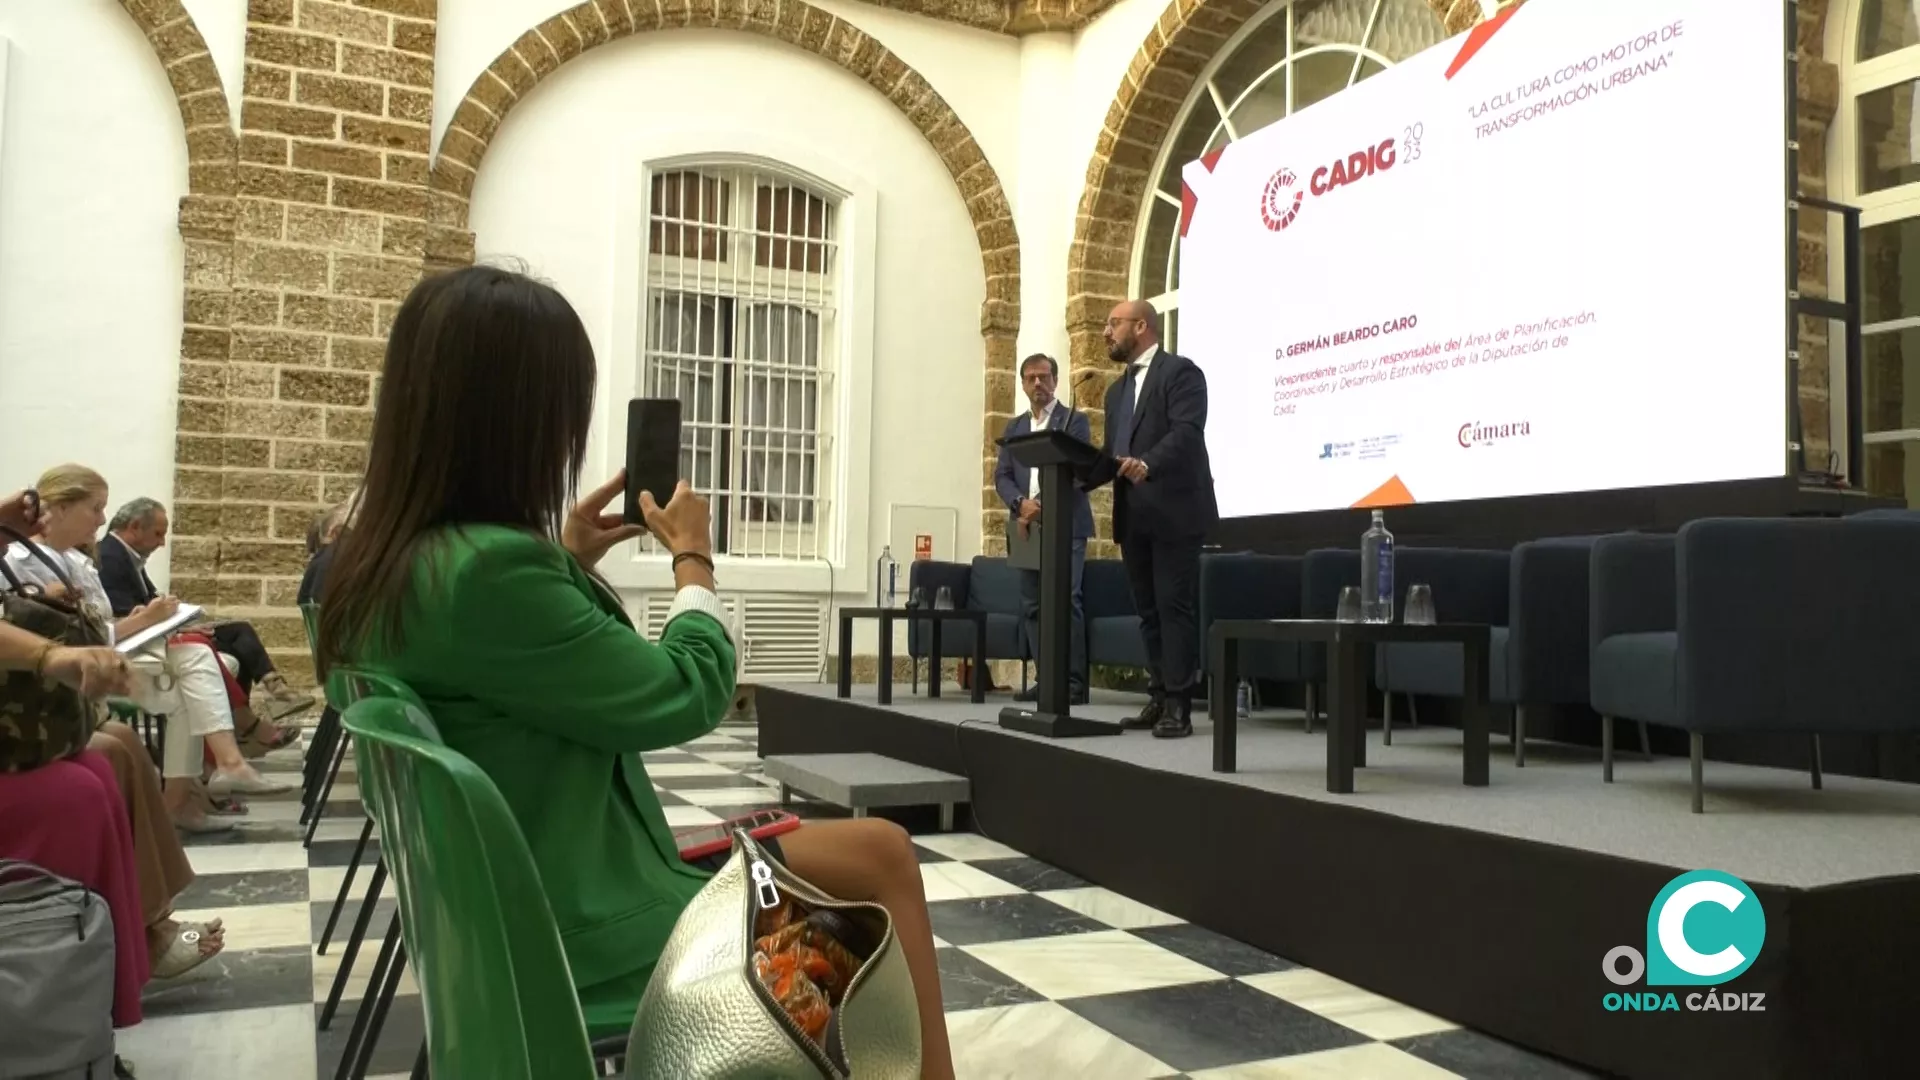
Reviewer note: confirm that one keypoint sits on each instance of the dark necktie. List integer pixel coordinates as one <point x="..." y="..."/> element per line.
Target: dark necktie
<point x="1122" y="418"/>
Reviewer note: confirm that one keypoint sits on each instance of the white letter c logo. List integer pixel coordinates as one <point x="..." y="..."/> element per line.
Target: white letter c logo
<point x="1673" y="934"/>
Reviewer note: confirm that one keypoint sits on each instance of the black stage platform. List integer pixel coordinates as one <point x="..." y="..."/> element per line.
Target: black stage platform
<point x="1492" y="907"/>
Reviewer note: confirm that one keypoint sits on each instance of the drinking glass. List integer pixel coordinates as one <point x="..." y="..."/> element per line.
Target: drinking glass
<point x="943" y="600"/>
<point x="917" y="599"/>
<point x="1349" y="610"/>
<point x="1420" y="606"/>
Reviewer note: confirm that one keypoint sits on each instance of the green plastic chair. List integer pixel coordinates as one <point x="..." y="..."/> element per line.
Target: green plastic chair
<point x="494" y="982"/>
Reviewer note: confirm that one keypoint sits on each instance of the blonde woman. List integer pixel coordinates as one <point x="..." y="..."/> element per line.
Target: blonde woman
<point x="182" y="681"/>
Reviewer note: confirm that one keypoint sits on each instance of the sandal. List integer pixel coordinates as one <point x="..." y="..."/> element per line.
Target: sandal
<point x="226" y="806"/>
<point x="254" y="745"/>
<point x="183" y="952"/>
<point x="123" y="1069"/>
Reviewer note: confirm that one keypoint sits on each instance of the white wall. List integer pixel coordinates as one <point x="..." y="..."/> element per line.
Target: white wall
<point x="91" y="173"/>
<point x="561" y="188"/>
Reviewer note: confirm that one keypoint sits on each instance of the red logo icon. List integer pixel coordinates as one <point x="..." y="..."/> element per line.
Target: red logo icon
<point x="1277" y="209"/>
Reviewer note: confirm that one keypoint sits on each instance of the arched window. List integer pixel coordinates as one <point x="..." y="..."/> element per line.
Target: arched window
<point x="742" y="292"/>
<point x="1875" y="164"/>
<point x="1292" y="55"/>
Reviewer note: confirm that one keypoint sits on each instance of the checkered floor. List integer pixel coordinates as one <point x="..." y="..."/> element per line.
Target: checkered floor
<point x="1044" y="974"/>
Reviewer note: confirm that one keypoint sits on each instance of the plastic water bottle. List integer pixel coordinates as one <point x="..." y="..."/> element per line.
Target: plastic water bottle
<point x="1376" y="572"/>
<point x="1243" y="704"/>
<point x="886" y="578"/>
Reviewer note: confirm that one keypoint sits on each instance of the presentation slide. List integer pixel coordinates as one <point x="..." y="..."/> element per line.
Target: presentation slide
<point x="1546" y="256"/>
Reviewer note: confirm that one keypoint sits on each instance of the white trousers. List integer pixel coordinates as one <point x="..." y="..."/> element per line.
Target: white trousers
<point x="186" y="686"/>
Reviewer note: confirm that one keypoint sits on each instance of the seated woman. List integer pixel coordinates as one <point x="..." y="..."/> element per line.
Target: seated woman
<point x="185" y="682"/>
<point x="466" y="576"/>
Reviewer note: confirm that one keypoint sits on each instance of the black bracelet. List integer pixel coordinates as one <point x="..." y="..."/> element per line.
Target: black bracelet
<point x="694" y="556"/>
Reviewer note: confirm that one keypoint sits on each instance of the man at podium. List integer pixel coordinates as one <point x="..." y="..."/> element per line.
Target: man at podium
<point x="1019" y="488"/>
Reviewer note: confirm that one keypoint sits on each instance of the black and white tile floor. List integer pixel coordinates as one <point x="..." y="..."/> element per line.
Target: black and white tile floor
<point x="1044" y="974"/>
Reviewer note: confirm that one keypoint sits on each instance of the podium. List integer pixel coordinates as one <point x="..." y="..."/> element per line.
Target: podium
<point x="1056" y="455"/>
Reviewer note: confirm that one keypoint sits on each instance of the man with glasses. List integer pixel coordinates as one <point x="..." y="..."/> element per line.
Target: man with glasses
<point x="1019" y="487"/>
<point x="1163" y="505"/>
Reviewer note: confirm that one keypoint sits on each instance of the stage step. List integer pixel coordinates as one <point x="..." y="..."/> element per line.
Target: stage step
<point x="861" y="782"/>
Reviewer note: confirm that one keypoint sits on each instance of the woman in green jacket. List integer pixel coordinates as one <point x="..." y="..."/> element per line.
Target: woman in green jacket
<point x="467" y="576"/>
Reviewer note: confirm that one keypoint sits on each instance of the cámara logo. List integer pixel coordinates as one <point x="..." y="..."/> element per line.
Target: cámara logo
<point x="1277" y="211"/>
<point x="1703" y="929"/>
<point x="1477" y="434"/>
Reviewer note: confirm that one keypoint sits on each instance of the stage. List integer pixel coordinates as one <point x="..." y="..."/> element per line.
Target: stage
<point x="1492" y="907"/>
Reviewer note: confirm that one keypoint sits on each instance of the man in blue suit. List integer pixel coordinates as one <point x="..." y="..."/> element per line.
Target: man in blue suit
<point x="1019" y="488"/>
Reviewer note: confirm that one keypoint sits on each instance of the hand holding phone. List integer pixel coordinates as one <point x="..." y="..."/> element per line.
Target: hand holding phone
<point x="589" y="532"/>
<point x="653" y="453"/>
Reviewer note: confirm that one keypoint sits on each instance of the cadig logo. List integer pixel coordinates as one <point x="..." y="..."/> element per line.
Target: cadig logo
<point x="1703" y="929"/>
<point x="1277" y="210"/>
<point x="1354" y="168"/>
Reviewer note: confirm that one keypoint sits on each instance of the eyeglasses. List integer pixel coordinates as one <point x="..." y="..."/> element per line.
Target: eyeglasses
<point x="1115" y="324"/>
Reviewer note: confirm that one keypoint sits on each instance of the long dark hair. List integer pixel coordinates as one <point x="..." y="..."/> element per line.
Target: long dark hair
<point x="484" y="407"/>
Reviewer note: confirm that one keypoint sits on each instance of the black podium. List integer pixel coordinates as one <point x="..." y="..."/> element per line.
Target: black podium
<point x="1057" y="455"/>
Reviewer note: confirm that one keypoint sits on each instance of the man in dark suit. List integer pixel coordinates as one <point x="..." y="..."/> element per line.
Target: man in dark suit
<point x="138" y="530"/>
<point x="1163" y="505"/>
<point x="1019" y="488"/>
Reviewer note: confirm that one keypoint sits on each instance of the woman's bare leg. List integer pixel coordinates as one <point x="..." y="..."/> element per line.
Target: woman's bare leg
<point x="871" y="859"/>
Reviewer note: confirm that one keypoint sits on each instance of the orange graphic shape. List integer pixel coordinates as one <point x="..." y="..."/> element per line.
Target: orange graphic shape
<point x="1391" y="493"/>
<point x="1477" y="39"/>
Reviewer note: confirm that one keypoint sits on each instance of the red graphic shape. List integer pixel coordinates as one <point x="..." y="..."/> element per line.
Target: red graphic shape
<point x="1276" y="210"/>
<point x="1478" y="37"/>
<point x="1391" y="493"/>
<point x="1189" y="200"/>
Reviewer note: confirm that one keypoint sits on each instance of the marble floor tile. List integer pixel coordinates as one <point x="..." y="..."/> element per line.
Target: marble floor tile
<point x="399" y="1044"/>
<point x="1099" y="962"/>
<point x="710" y="782"/>
<point x="1482" y="1057"/>
<point x="1217" y="951"/>
<point x="712" y="741"/>
<point x="680" y="817"/>
<point x="731" y="757"/>
<point x="960" y="881"/>
<point x="326" y="968"/>
<point x="736" y="798"/>
<point x="1030" y="874"/>
<point x="669" y="757"/>
<point x="1364" y="1011"/>
<point x="1367" y="1061"/>
<point x="1109" y="907"/>
<point x="1206" y="1025"/>
<point x="1041" y="1039"/>
<point x="342" y="852"/>
<point x="925" y="854"/>
<point x="245" y="1044"/>
<point x="341" y="830"/>
<point x="247" y="830"/>
<point x="244" y="889"/>
<point x="967" y="846"/>
<point x="258" y="926"/>
<point x="278" y="811"/>
<point x="235" y="979"/>
<point x="700" y="768"/>
<point x="319" y="912"/>
<point x="248" y="858"/>
<point x="984" y="919"/>
<point x="967" y="983"/>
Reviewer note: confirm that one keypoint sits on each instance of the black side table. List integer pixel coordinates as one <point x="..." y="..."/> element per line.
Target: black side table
<point x="1349" y="667"/>
<point x="937" y="617"/>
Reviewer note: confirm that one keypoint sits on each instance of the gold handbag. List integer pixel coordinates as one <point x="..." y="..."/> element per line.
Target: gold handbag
<point x="707" y="1016"/>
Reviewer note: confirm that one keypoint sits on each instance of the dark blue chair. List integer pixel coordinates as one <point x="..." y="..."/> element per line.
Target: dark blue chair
<point x="1113" y="627"/>
<point x="1242" y="585"/>
<point x="986" y="584"/>
<point x="1468" y="587"/>
<point x="1323" y="574"/>
<point x="1798" y="626"/>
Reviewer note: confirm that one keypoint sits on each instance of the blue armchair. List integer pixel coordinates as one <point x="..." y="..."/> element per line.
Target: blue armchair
<point x="986" y="584"/>
<point x="1113" y="628"/>
<point x="1798" y="626"/>
<point x="1247" y="586"/>
<point x="1323" y="574"/>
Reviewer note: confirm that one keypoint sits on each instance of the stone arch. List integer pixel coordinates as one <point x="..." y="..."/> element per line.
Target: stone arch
<point x="544" y="49"/>
<point x="212" y="147"/>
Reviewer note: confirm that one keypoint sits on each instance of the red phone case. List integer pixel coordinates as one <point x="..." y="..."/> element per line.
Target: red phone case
<point x="761" y="825"/>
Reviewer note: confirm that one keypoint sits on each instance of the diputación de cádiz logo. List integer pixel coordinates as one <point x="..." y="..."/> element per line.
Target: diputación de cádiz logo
<point x="1704" y="928"/>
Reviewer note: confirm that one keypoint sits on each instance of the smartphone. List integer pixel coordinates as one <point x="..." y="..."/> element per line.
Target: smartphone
<point x="699" y="841"/>
<point x="653" y="452"/>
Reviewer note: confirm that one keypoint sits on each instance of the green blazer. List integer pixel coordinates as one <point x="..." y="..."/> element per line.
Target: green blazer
<point x="532" y="670"/>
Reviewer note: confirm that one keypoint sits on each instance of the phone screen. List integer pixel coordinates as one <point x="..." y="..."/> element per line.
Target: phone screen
<point x="653" y="452"/>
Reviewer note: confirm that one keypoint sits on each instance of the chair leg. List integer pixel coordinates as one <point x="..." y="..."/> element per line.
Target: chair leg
<point x="364" y="1059"/>
<point x="354" y="939"/>
<point x="1386" y="718"/>
<point x="363" y="1016"/>
<point x="420" y="1071"/>
<point x="1646" y="745"/>
<point x="1312" y="705"/>
<point x="1520" y="738"/>
<point x="1413" y="711"/>
<point x="1696" y="747"/>
<point x="326" y="789"/>
<point x="1606" y="749"/>
<point x="1816" y="763"/>
<point x="346" y="883"/>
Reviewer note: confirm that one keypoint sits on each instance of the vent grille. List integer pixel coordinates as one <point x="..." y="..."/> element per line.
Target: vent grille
<point x="778" y="638"/>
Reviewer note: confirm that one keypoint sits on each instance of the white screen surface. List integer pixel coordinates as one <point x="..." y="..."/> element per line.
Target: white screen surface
<point x="1561" y="269"/>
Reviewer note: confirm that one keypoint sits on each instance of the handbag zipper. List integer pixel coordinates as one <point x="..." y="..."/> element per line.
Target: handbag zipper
<point x="766" y="896"/>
